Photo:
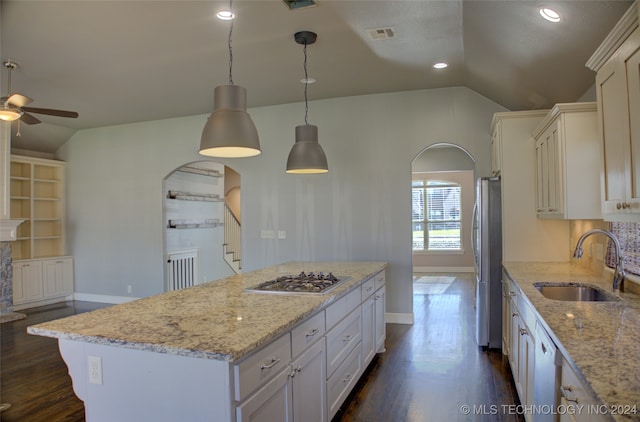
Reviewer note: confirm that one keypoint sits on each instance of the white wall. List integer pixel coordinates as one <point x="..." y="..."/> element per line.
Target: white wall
<point x="360" y="210"/>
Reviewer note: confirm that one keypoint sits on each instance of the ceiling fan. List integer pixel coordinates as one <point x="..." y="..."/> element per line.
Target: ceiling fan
<point x="12" y="107"/>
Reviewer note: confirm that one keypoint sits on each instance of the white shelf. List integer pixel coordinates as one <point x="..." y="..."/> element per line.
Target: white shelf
<point x="193" y="224"/>
<point x="191" y="196"/>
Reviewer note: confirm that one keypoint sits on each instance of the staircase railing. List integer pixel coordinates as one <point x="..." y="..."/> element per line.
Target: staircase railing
<point x="232" y="237"/>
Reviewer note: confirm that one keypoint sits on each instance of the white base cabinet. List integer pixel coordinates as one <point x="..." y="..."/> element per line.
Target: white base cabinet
<point x="270" y="403"/>
<point x="39" y="282"/>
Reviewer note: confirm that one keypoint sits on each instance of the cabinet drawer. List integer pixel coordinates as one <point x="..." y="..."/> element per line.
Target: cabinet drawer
<point x="342" y="339"/>
<point x="307" y="333"/>
<point x="342" y="382"/>
<point x="380" y="279"/>
<point x="368" y="287"/>
<point x="343" y="307"/>
<point x="258" y="368"/>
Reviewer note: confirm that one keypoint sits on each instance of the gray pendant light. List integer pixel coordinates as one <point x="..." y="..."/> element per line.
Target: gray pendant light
<point x="229" y="131"/>
<point x="306" y="155"/>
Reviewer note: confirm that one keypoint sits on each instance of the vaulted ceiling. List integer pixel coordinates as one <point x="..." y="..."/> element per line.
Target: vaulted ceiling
<point x="119" y="62"/>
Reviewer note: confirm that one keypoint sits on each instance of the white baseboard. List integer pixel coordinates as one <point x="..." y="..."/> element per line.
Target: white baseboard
<point x="115" y="300"/>
<point x="42" y="302"/>
<point x="392" y="318"/>
<point x="443" y="269"/>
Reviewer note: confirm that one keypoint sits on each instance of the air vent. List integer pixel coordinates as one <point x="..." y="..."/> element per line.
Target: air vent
<point x="299" y="4"/>
<point x="381" y="33"/>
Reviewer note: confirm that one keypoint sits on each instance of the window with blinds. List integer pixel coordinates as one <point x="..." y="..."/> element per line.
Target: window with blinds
<point x="436" y="215"/>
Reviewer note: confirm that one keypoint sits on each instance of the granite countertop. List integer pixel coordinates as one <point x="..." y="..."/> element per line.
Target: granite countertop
<point x="600" y="340"/>
<point x="214" y="320"/>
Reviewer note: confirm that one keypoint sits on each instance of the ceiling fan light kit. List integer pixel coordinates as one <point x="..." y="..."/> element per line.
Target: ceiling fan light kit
<point x="306" y="155"/>
<point x="9" y="113"/>
<point x="13" y="105"/>
<point x="229" y="131"/>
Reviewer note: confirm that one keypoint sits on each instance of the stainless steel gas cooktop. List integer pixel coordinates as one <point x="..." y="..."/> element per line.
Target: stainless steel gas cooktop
<point x="307" y="283"/>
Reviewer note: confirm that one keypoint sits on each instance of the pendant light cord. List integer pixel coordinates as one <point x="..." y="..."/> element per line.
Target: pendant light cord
<point x="306" y="84"/>
<point x="230" y="49"/>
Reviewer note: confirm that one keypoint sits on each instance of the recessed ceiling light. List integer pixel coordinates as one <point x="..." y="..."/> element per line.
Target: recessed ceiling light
<point x="440" y="65"/>
<point x="550" y="14"/>
<point x="225" y="15"/>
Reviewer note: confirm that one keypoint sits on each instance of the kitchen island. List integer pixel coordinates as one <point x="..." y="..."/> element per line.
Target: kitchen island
<point x="599" y="342"/>
<point x="190" y="354"/>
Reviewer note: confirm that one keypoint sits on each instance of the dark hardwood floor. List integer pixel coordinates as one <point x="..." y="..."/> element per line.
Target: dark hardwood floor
<point x="429" y="371"/>
<point x="34" y="378"/>
<point x="433" y="368"/>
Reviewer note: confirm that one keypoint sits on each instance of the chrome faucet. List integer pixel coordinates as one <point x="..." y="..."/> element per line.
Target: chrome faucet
<point x="619" y="274"/>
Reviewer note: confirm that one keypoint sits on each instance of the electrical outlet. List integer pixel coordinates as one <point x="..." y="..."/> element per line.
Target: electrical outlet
<point x="282" y="234"/>
<point x="129" y="289"/>
<point x="95" y="370"/>
<point x="267" y="234"/>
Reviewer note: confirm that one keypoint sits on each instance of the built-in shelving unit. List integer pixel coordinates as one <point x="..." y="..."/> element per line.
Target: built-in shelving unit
<point x="37" y="197"/>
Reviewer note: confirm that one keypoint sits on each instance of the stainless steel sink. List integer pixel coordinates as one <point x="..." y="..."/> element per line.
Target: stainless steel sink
<point x="574" y="293"/>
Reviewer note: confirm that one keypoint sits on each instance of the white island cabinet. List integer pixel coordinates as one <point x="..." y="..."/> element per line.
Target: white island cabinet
<point x="216" y="352"/>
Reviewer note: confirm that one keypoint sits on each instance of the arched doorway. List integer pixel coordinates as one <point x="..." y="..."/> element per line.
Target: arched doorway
<point x="201" y="215"/>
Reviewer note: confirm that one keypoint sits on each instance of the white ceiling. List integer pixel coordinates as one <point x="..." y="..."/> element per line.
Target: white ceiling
<point x="119" y="62"/>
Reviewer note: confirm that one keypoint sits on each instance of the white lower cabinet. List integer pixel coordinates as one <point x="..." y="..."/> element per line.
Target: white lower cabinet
<point x="340" y="384"/>
<point x="27" y="282"/>
<point x="308" y="372"/>
<point x="342" y="339"/>
<point x="270" y="403"/>
<point x="380" y="299"/>
<point x="573" y="394"/>
<point x="368" y="330"/>
<point x="42" y="281"/>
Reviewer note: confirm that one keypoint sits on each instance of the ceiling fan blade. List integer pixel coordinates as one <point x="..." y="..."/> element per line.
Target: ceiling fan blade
<point x="19" y="100"/>
<point x="29" y="119"/>
<point x="51" y="112"/>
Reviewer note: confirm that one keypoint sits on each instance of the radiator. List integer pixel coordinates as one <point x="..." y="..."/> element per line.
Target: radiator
<point x="182" y="268"/>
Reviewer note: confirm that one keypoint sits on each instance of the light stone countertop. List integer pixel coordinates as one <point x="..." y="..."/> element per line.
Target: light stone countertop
<point x="215" y="320"/>
<point x="602" y="340"/>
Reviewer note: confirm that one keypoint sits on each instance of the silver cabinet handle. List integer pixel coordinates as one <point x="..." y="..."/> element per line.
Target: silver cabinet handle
<point x="312" y="332"/>
<point x="370" y="288"/>
<point x="347" y="338"/>
<point x="523" y="332"/>
<point x="347" y="378"/>
<point x="564" y="390"/>
<point x="273" y="363"/>
<point x="512" y="294"/>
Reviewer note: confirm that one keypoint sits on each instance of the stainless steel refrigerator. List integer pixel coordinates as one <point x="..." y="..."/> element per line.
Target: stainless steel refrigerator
<point x="487" y="251"/>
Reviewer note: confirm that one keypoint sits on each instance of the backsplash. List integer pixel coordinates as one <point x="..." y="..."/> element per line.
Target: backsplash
<point x="595" y="248"/>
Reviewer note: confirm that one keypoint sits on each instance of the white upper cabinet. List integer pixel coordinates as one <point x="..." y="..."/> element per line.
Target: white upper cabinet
<point x="617" y="63"/>
<point x="567" y="161"/>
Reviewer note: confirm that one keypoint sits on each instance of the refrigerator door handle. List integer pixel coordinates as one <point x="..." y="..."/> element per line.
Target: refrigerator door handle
<point x="474" y="237"/>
